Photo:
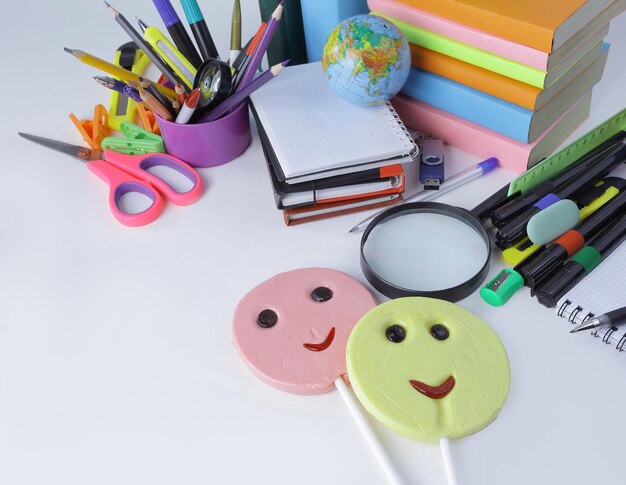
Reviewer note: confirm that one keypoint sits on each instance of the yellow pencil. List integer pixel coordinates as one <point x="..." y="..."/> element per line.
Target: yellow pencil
<point x="114" y="70"/>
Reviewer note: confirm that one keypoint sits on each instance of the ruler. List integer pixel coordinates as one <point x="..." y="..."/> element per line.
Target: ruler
<point x="552" y="166"/>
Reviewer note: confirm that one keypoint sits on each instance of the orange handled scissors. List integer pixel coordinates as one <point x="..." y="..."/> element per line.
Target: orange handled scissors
<point x="130" y="173"/>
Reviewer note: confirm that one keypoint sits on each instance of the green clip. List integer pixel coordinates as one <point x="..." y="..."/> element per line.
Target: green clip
<point x="136" y="141"/>
<point x="498" y="291"/>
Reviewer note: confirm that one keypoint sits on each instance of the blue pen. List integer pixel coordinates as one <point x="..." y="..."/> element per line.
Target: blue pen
<point x="177" y="31"/>
<point x="119" y="86"/>
<point x="199" y="29"/>
<point x="452" y="183"/>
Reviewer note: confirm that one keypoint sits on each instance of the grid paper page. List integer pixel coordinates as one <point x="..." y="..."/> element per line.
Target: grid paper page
<point x="600" y="292"/>
<point x="312" y="129"/>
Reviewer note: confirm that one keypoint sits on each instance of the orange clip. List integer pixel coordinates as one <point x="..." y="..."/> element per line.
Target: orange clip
<point x="147" y="119"/>
<point x="93" y="131"/>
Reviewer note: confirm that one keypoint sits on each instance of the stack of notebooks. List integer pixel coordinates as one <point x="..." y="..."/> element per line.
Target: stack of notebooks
<point x="326" y="156"/>
<point x="510" y="79"/>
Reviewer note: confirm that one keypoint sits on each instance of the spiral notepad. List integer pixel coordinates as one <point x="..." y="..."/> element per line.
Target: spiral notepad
<point x="315" y="133"/>
<point x="600" y="292"/>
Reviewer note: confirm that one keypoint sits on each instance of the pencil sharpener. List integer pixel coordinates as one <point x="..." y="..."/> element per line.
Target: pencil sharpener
<point x="500" y="289"/>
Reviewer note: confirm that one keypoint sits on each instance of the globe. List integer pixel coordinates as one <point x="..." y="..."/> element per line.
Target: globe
<point x="366" y="60"/>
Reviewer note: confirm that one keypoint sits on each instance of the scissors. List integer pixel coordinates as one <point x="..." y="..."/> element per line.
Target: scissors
<point x="130" y="173"/>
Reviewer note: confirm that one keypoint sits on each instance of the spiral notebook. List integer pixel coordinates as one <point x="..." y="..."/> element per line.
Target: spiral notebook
<point x="600" y="292"/>
<point x="317" y="134"/>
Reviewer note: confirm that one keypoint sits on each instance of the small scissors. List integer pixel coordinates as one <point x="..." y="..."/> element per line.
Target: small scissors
<point x="130" y="173"/>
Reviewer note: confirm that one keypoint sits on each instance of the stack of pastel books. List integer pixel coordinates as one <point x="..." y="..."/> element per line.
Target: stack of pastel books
<point x="503" y="78"/>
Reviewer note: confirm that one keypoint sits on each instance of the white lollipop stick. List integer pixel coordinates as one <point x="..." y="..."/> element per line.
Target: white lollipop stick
<point x="357" y="414"/>
<point x="446" y="452"/>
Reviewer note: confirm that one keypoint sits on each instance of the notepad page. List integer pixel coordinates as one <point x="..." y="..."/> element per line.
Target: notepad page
<point x="600" y="292"/>
<point x="311" y="129"/>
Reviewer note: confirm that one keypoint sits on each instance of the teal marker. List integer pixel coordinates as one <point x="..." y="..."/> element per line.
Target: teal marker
<point x="200" y="30"/>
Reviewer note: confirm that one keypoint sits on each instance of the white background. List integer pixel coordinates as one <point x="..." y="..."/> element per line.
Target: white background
<point x="116" y="362"/>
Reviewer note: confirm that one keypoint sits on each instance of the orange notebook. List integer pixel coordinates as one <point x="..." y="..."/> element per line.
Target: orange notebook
<point x="541" y="24"/>
<point x="316" y="212"/>
<point x="516" y="92"/>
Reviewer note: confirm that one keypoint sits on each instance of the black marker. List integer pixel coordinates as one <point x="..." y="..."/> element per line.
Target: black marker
<point x="582" y="263"/>
<point x="543" y="263"/>
<point x="515" y="230"/>
<point x="501" y="215"/>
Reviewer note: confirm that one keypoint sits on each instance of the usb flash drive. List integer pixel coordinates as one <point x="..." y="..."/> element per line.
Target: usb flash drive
<point x="431" y="163"/>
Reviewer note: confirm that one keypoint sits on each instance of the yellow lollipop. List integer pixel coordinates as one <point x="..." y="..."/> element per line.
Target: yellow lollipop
<point x="427" y="368"/>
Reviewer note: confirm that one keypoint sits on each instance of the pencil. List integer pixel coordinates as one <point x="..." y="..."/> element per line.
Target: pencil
<point x="113" y="70"/>
<point x="232" y="102"/>
<point x="144" y="46"/>
<point x="155" y="106"/>
<point x="264" y="41"/>
<point x="147" y="85"/>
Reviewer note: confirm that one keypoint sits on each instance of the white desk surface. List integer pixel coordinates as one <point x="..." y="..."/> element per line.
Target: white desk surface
<point x="116" y="362"/>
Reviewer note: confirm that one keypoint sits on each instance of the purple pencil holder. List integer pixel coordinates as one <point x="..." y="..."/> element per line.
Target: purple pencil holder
<point x="208" y="144"/>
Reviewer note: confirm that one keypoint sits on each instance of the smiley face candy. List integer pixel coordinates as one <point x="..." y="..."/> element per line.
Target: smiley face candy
<point x="427" y="368"/>
<point x="292" y="329"/>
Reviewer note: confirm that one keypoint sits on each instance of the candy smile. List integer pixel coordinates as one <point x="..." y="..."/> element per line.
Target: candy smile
<point x="323" y="345"/>
<point x="437" y="392"/>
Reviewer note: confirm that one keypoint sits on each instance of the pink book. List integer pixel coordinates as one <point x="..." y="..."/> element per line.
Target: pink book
<point x="491" y="43"/>
<point x="485" y="143"/>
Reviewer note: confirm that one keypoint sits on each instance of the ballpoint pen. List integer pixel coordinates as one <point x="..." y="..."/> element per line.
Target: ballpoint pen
<point x="453" y="182"/>
<point x="144" y="46"/>
<point x="119" y="86"/>
<point x="200" y="30"/>
<point x="176" y="29"/>
<point x="610" y="319"/>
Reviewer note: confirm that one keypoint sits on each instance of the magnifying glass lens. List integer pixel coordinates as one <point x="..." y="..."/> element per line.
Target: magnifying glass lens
<point x="425" y="250"/>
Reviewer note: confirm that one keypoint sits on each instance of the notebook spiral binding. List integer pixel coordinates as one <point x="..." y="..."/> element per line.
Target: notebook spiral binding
<point x="394" y="119"/>
<point x="607" y="335"/>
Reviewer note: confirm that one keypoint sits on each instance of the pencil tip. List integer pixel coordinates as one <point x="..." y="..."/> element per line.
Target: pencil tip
<point x="68" y="50"/>
<point x="354" y="229"/>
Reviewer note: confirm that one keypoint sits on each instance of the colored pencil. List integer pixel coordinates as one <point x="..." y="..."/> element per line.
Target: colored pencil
<point x="234" y="100"/>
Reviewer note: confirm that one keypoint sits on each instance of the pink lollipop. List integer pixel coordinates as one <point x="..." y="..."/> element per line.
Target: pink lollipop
<point x="292" y="331"/>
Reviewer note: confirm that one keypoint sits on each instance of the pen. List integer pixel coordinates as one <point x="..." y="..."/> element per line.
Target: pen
<point x="610" y="319"/>
<point x="113" y="70"/>
<point x="169" y="53"/>
<point x="459" y="179"/>
<point x="200" y="30"/>
<point x="176" y="29"/>
<point x="144" y="46"/>
<point x="259" y="52"/>
<point x="119" y="86"/>
<point x="243" y="93"/>
<point x="235" y="32"/>
<point x="188" y="107"/>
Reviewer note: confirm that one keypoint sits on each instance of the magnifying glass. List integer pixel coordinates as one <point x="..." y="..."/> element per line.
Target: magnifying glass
<point x="425" y="249"/>
<point x="214" y="78"/>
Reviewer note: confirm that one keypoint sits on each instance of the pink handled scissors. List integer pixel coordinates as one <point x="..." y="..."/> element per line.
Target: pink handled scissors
<point x="130" y="173"/>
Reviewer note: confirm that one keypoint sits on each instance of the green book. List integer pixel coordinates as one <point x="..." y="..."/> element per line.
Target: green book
<point x="288" y="41"/>
<point x="472" y="55"/>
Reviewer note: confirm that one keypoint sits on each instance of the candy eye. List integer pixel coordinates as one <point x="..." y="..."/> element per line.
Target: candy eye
<point x="321" y="294"/>
<point x="439" y="332"/>
<point x="267" y="318"/>
<point x="395" y="333"/>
